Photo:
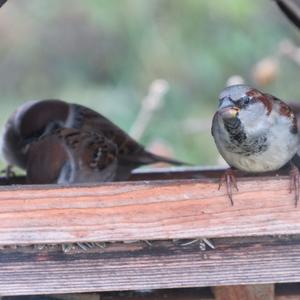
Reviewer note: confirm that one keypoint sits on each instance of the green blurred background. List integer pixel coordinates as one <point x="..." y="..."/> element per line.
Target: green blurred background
<point x="105" y="54"/>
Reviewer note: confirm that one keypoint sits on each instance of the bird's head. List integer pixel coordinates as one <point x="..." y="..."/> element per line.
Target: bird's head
<point x="33" y="117"/>
<point x="248" y="105"/>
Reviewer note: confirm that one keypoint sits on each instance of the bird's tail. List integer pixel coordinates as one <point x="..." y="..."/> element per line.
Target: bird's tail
<point x="151" y="158"/>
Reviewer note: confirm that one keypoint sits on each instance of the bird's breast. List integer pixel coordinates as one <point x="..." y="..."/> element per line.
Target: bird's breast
<point x="265" y="151"/>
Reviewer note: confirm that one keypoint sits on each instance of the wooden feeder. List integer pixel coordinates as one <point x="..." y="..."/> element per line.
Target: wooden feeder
<point x="152" y="227"/>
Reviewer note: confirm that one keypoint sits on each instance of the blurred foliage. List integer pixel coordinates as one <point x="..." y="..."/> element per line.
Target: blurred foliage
<point x="105" y="54"/>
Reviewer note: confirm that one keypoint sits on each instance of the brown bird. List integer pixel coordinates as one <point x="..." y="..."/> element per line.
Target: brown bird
<point x="36" y="121"/>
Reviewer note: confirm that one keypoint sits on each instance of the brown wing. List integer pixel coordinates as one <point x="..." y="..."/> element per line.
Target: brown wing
<point x="93" y="158"/>
<point x="35" y="118"/>
<point x="286" y="110"/>
<point x="70" y="155"/>
<point x="27" y="124"/>
<point x="94" y="150"/>
<point x="46" y="157"/>
<point x="131" y="154"/>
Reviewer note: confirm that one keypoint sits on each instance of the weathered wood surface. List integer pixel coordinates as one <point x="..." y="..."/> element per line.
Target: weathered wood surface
<point x="138" y="266"/>
<point x="146" y="210"/>
<point x="245" y="292"/>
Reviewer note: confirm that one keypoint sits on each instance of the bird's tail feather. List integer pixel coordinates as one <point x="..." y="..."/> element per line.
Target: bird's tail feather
<point x="151" y="158"/>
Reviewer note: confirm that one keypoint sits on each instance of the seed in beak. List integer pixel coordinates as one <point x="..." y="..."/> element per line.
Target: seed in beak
<point x="229" y="112"/>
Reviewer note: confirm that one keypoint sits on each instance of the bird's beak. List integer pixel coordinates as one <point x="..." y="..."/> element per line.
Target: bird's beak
<point x="229" y="112"/>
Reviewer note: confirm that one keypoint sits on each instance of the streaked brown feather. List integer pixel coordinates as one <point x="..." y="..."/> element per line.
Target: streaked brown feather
<point x="46" y="158"/>
<point x="86" y="156"/>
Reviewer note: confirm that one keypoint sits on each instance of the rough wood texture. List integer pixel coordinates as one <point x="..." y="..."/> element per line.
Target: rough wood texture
<point x="245" y="292"/>
<point x="138" y="266"/>
<point x="146" y="210"/>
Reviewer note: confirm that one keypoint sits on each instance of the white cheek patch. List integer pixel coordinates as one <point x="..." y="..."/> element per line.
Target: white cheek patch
<point x="254" y="119"/>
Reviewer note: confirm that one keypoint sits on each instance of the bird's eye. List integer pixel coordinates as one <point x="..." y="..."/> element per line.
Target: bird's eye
<point x="246" y="101"/>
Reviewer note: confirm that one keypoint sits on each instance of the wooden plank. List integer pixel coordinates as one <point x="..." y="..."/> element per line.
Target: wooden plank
<point x="146" y="210"/>
<point x="245" y="292"/>
<point x="137" y="266"/>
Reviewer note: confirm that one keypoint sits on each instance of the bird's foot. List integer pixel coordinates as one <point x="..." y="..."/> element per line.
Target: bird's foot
<point x="295" y="182"/>
<point x="230" y="180"/>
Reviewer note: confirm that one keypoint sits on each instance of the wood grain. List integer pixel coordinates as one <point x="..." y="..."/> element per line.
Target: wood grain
<point x="146" y="210"/>
<point x="245" y="292"/>
<point x="138" y="266"/>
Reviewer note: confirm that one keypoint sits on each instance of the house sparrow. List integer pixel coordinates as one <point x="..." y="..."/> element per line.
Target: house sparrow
<point x="255" y="132"/>
<point x="37" y="118"/>
<point x="68" y="155"/>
